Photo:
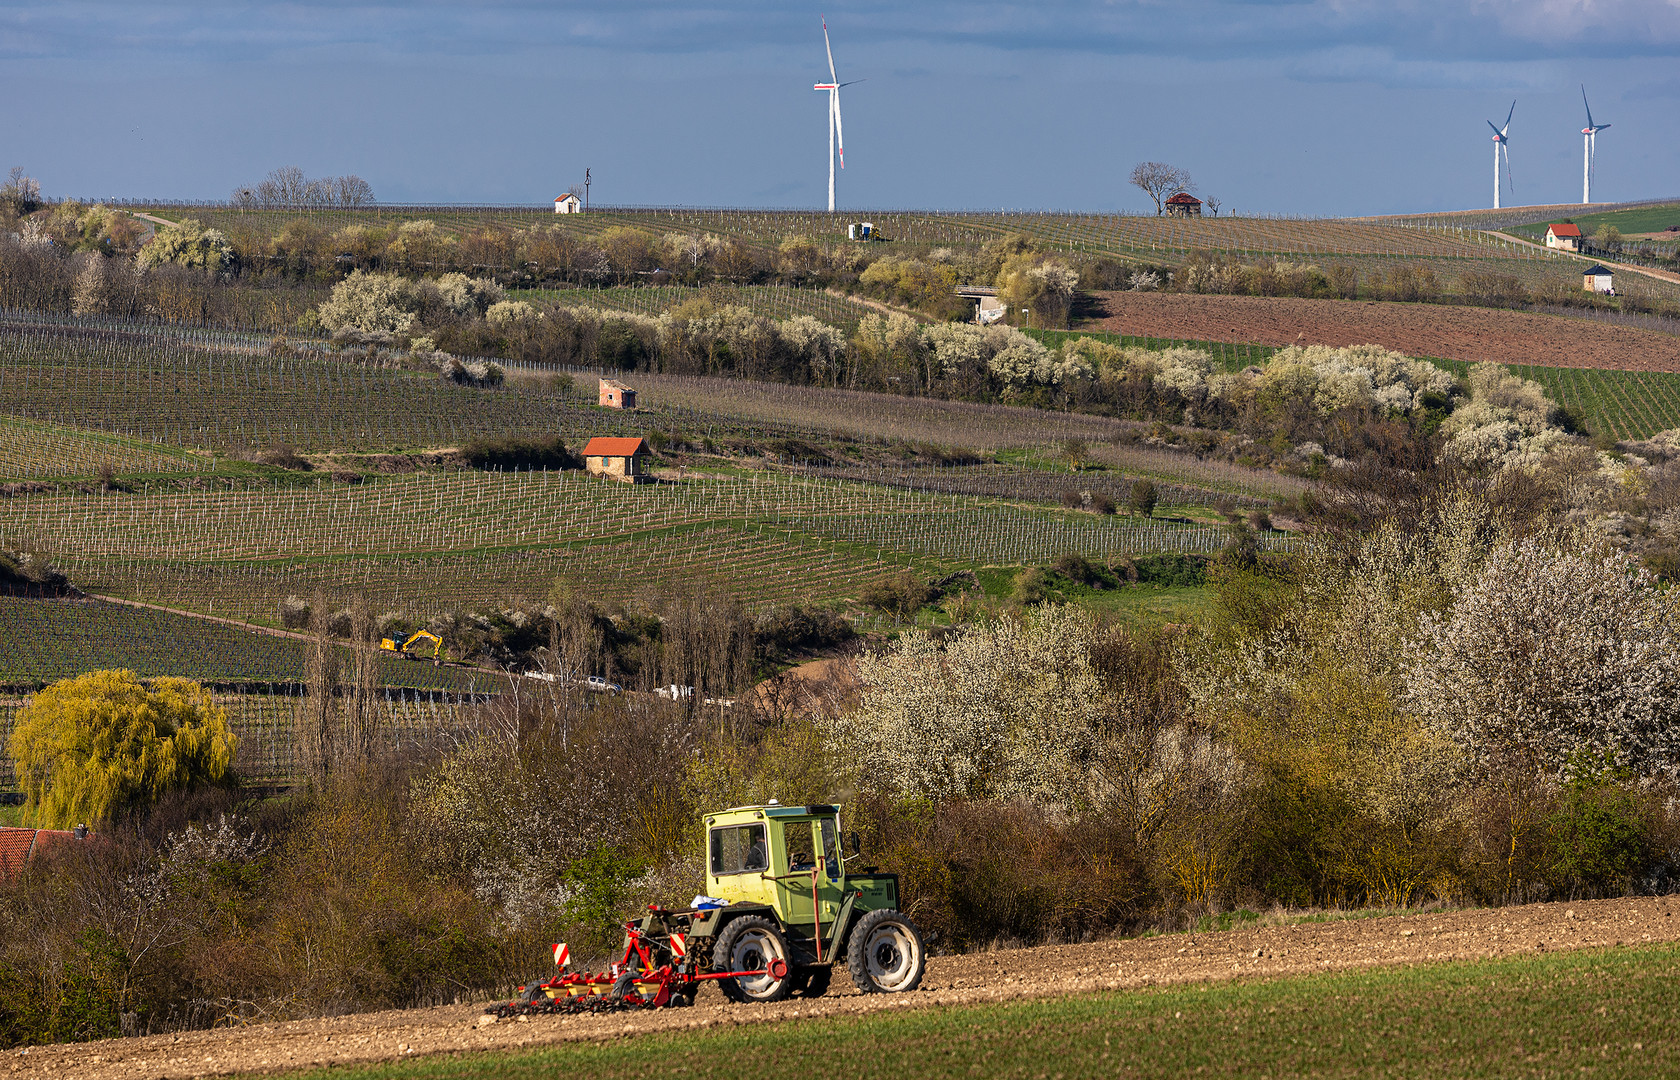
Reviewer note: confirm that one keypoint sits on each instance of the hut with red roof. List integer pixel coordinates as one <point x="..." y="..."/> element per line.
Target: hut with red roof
<point x="617" y="458"/>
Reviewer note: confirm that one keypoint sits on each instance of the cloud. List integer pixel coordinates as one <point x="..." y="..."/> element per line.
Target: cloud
<point x="940" y="32"/>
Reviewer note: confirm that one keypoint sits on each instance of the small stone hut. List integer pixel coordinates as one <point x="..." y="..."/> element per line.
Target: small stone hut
<point x="617" y="458"/>
<point x="1184" y="204"/>
<point x="615" y="395"/>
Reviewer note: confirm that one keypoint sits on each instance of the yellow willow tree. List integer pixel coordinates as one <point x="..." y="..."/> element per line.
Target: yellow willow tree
<point x="94" y="746"/>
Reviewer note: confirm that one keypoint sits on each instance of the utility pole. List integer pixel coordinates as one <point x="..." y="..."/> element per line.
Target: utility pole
<point x="586" y="189"/>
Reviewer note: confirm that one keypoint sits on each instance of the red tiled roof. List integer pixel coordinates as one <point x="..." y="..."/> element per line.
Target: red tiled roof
<point x="603" y="446"/>
<point x="15" y="846"/>
<point x="18" y="846"/>
<point x="1564" y="230"/>
<point x="1184" y="197"/>
<point x="563" y="198"/>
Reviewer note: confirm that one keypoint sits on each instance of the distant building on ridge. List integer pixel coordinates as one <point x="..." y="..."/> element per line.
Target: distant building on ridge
<point x="615" y="395"/>
<point x="1184" y="204"/>
<point x="1567" y="237"/>
<point x="568" y="204"/>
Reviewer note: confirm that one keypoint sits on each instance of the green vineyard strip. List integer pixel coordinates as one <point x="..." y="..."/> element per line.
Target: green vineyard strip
<point x="423" y="542"/>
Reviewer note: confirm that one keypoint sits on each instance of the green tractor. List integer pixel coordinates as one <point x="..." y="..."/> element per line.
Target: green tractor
<point x="781" y="912"/>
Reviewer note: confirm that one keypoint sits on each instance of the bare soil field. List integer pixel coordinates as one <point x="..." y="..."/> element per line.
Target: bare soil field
<point x="1455" y="333"/>
<point x="1281" y="949"/>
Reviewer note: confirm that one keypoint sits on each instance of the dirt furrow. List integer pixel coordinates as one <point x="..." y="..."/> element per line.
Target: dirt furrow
<point x="1254" y="951"/>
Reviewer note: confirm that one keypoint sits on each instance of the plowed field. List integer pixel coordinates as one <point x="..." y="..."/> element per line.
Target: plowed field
<point x="1455" y="333"/>
<point x="1275" y="950"/>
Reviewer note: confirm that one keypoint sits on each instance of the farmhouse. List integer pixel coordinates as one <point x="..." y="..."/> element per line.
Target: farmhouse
<point x="616" y="459"/>
<point x="1596" y="279"/>
<point x="615" y="395"/>
<point x="1184" y="204"/>
<point x="1567" y="237"/>
<point x="568" y="204"/>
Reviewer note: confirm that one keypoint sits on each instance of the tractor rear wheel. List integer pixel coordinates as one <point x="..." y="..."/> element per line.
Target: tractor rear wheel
<point x="753" y="943"/>
<point x="885" y="953"/>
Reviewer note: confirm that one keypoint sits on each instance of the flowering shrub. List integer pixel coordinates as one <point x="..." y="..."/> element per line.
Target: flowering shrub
<point x="1559" y="656"/>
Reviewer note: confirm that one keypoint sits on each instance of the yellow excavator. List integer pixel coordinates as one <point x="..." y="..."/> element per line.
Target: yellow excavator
<point x="402" y="650"/>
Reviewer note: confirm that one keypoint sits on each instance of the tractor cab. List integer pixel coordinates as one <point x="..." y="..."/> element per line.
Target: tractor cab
<point x="787" y="858"/>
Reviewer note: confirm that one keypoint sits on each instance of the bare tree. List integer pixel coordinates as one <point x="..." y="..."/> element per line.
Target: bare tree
<point x="23" y="192"/>
<point x="288" y="186"/>
<point x="352" y="190"/>
<point x="1159" y="180"/>
<point x="1213" y="204"/>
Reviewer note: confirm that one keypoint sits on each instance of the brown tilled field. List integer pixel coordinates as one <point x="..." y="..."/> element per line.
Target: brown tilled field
<point x="1455" y="333"/>
<point x="1257" y="951"/>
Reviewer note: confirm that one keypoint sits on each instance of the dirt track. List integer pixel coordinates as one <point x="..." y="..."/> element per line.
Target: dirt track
<point x="1457" y="333"/>
<point x="1295" y="949"/>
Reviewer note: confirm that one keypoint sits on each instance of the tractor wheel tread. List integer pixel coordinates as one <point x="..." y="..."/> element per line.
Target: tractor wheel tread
<point x="889" y="939"/>
<point x="723" y="958"/>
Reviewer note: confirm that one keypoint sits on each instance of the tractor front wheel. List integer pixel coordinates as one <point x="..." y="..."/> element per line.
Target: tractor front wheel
<point x="885" y="953"/>
<point x="753" y="943"/>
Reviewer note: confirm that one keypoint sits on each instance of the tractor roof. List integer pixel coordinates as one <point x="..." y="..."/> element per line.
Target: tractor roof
<point x="774" y="810"/>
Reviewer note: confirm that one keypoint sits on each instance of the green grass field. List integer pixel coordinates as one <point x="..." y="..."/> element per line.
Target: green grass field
<point x="1644" y="219"/>
<point x="1604" y="1014"/>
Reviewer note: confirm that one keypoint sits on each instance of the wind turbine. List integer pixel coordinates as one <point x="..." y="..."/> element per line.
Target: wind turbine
<point x="1501" y="141"/>
<point x="1589" y="147"/>
<point x="836" y="130"/>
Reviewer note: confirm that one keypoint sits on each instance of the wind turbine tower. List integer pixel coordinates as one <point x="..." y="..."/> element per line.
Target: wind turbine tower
<point x="1589" y="147"/>
<point x="1501" y="142"/>
<point x="836" y="130"/>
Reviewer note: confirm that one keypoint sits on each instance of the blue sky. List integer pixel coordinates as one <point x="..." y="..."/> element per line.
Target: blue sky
<point x="1315" y="106"/>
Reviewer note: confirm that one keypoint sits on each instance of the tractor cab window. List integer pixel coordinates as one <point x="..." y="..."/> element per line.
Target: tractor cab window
<point x="796" y="840"/>
<point x="739" y="849"/>
<point x="831" y="848"/>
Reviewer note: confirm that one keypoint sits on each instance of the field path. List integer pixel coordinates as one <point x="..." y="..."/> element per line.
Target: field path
<point x="1054" y="970"/>
<point x="1455" y="333"/>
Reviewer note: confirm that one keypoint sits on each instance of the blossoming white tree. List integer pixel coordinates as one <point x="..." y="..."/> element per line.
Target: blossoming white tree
<point x="1560" y="656"/>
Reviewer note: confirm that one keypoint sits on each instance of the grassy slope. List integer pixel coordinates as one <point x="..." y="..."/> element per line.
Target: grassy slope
<point x="1606" y="1013"/>
<point x="1642" y="220"/>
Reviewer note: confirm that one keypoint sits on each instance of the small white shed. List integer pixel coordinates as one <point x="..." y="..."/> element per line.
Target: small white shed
<point x="1597" y="279"/>
<point x="568" y="204"/>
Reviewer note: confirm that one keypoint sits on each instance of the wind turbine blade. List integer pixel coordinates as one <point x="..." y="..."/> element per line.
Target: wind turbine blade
<point x="1508" y="116"/>
<point x="839" y="128"/>
<point x="854" y="82"/>
<point x="1510" y="183"/>
<point x="1496" y="132"/>
<point x="830" y="50"/>
<point x="1584" y="102"/>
